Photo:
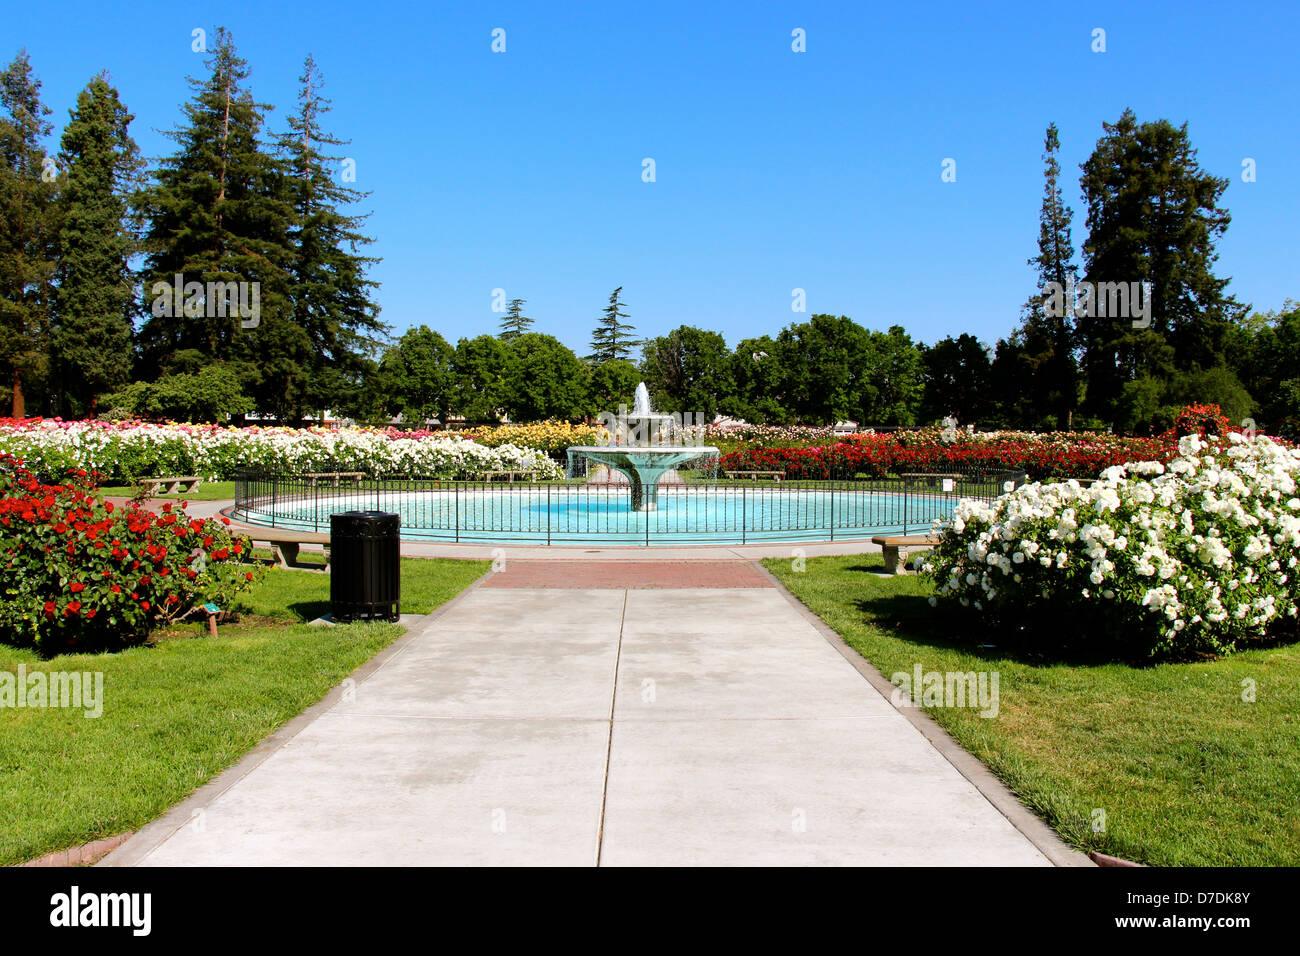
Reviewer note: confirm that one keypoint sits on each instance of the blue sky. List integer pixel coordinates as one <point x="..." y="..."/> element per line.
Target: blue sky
<point x="775" y="170"/>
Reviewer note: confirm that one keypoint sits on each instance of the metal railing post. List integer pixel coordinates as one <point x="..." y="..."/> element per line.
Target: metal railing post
<point x="744" y="512"/>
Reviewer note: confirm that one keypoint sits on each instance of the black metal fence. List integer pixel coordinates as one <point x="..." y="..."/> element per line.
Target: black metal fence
<point x="553" y="512"/>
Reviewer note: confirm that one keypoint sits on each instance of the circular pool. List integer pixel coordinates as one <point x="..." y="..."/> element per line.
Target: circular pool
<point x="560" y="513"/>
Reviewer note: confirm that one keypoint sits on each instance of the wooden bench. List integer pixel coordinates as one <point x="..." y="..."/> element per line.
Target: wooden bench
<point x="774" y="475"/>
<point x="509" y="475"/>
<point x="315" y="476"/>
<point x="285" y="543"/>
<point x="150" y="485"/>
<point x="896" y="546"/>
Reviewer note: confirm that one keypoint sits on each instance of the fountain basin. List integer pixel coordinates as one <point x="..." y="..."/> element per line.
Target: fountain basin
<point x="643" y="467"/>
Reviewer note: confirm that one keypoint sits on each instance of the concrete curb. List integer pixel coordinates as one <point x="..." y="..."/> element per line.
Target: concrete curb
<point x="154" y="834"/>
<point x="80" y="855"/>
<point x="1043" y="837"/>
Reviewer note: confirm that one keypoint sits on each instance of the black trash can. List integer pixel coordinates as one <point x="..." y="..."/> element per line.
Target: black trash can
<point x="365" y="566"/>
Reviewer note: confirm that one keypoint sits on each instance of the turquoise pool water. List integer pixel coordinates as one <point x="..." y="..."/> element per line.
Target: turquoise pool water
<point x="585" y="514"/>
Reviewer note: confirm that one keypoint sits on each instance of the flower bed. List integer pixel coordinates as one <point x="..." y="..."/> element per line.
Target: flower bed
<point x="1193" y="556"/>
<point x="549" y="437"/>
<point x="123" y="451"/>
<point x="1056" y="454"/>
<point x="79" y="573"/>
<point x="739" y="437"/>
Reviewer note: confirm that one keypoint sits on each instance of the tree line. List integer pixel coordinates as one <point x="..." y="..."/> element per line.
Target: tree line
<point x="224" y="278"/>
<point x="228" y="277"/>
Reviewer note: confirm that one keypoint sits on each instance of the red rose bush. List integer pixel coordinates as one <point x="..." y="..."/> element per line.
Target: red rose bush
<point x="76" y="572"/>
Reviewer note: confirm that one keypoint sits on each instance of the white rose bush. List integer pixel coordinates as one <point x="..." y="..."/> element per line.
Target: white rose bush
<point x="1197" y="555"/>
<point x="123" y="451"/>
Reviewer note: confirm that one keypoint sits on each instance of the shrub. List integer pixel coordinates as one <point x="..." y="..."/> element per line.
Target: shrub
<point x="1200" y="420"/>
<point x="1196" y="556"/>
<point x="123" y="451"/>
<point x="79" y="573"/>
<point x="1052" y="455"/>
<point x="208" y="395"/>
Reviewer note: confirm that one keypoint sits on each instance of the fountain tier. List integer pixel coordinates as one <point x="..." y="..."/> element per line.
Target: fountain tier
<point x="653" y="455"/>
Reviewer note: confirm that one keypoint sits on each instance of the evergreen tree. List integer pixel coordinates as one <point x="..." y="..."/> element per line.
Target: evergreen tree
<point x="27" y="196"/>
<point x="1048" y="373"/>
<point x="613" y="338"/>
<point x="1153" y="217"/>
<point x="332" y="298"/>
<point x="219" y="214"/>
<point x="91" y="342"/>
<point x="515" y="322"/>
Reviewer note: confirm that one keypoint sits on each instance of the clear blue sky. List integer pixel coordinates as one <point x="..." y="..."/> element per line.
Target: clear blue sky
<point x="775" y="170"/>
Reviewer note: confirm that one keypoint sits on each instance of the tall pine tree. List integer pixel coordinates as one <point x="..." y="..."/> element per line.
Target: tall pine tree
<point x="332" y="298"/>
<point x="92" y="336"/>
<point x="613" y="338"/>
<point x="27" y="197"/>
<point x="1154" y="217"/>
<point x="1048" y="373"/>
<point x="219" y="212"/>
<point x="515" y="323"/>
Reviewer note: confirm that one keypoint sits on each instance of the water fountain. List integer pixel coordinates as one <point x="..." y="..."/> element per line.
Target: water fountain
<point x="642" y="448"/>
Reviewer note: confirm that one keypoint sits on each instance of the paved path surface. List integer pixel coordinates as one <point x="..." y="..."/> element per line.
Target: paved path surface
<point x="586" y="717"/>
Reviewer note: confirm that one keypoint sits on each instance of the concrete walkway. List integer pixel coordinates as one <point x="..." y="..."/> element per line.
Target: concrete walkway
<point x="583" y="719"/>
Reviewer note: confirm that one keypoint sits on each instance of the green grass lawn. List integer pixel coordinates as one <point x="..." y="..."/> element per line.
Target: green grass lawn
<point x="180" y="710"/>
<point x="208" y="491"/>
<point x="1186" y="772"/>
<point x="300" y="595"/>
